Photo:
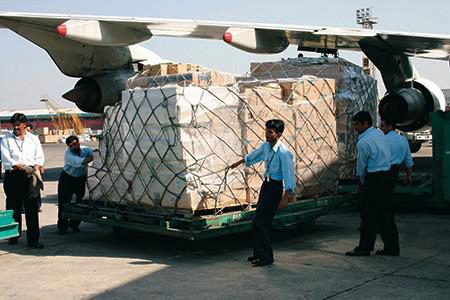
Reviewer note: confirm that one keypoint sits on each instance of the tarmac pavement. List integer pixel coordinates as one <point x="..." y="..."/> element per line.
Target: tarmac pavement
<point x="309" y="262"/>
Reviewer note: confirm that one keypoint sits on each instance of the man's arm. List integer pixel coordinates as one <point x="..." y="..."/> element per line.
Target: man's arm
<point x="288" y="172"/>
<point x="8" y="162"/>
<point x="361" y="161"/>
<point x="255" y="156"/>
<point x="39" y="158"/>
<point x="408" y="178"/>
<point x="408" y="163"/>
<point x="88" y="159"/>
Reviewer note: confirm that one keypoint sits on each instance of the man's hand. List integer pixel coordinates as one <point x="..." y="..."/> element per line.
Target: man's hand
<point x="236" y="164"/>
<point x="88" y="159"/>
<point x="39" y="168"/>
<point x="287" y="197"/>
<point x="18" y="166"/>
<point x="359" y="188"/>
<point x="408" y="180"/>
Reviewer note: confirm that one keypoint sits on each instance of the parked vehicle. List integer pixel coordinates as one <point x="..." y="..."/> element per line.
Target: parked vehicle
<point x="416" y="139"/>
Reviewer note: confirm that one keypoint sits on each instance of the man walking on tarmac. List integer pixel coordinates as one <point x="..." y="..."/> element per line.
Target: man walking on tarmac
<point x="279" y="169"/>
<point x="72" y="180"/>
<point x="375" y="182"/>
<point x="23" y="158"/>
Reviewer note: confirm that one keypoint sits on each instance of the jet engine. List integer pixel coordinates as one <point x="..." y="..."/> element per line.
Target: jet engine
<point x="256" y="41"/>
<point x="92" y="94"/>
<point x="410" y="106"/>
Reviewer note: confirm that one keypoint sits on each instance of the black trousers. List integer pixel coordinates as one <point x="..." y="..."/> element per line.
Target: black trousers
<point x="17" y="187"/>
<point x="67" y="187"/>
<point x="269" y="199"/>
<point x="377" y="213"/>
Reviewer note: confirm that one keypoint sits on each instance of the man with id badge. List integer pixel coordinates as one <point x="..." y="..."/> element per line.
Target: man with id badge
<point x="279" y="170"/>
<point x="23" y="158"/>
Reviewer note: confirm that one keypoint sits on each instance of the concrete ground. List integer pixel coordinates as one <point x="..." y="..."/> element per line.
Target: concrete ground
<point x="310" y="262"/>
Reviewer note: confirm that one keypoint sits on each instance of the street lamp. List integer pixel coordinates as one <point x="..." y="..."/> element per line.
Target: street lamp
<point x="365" y="18"/>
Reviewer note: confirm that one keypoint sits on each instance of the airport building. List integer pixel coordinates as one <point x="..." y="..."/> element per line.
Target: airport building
<point x="51" y="126"/>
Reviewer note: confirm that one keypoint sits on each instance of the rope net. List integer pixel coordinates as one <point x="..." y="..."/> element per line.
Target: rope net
<point x="168" y="143"/>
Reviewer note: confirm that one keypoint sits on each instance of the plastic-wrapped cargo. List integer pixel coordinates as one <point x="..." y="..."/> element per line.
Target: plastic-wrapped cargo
<point x="166" y="147"/>
<point x="355" y="91"/>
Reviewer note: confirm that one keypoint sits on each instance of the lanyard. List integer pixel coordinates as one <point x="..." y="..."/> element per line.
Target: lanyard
<point x="270" y="160"/>
<point x="268" y="164"/>
<point x="19" y="146"/>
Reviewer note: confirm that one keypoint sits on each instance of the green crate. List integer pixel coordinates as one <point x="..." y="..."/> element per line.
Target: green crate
<point x="8" y="227"/>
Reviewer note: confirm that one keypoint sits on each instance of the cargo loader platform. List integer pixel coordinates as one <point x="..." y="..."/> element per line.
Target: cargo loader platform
<point x="203" y="227"/>
<point x="8" y="227"/>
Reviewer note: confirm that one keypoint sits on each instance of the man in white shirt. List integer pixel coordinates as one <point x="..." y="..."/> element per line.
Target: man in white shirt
<point x="72" y="180"/>
<point x="22" y="155"/>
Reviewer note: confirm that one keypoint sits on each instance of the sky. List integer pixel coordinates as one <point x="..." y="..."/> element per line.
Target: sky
<point x="27" y="73"/>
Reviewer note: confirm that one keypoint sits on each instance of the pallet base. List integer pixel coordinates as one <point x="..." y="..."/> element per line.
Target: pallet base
<point x="204" y="227"/>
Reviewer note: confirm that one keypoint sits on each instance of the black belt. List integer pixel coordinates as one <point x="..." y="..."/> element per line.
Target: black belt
<point x="268" y="179"/>
<point x="395" y="168"/>
<point x="15" y="171"/>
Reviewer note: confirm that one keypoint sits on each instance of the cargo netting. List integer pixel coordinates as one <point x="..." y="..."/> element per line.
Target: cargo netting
<point x="168" y="144"/>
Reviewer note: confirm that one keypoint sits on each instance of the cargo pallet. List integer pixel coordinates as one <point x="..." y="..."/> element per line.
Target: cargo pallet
<point x="305" y="211"/>
<point x="8" y="227"/>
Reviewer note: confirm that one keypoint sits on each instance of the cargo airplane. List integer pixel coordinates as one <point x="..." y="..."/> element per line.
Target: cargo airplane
<point x="102" y="50"/>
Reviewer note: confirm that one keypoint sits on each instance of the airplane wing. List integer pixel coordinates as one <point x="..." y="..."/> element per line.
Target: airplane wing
<point x="92" y="47"/>
<point x="73" y="58"/>
<point x="81" y="31"/>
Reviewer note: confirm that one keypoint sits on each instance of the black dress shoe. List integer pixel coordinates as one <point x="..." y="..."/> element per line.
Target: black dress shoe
<point x="75" y="229"/>
<point x="357" y="252"/>
<point x="261" y="263"/>
<point x="252" y="258"/>
<point x="13" y="241"/>
<point x="36" y="245"/>
<point x="389" y="253"/>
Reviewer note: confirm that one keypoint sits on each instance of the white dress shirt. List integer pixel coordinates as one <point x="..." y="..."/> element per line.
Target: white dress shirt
<point x="16" y="151"/>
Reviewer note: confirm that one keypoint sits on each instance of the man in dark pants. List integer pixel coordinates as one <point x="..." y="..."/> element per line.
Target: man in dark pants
<point x="400" y="154"/>
<point x="22" y="156"/>
<point x="375" y="183"/>
<point x="279" y="168"/>
<point x="72" y="180"/>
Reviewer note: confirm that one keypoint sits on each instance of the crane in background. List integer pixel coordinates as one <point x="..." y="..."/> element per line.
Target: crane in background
<point x="62" y="120"/>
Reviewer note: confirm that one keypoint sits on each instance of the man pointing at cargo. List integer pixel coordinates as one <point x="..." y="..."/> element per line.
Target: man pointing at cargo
<point x="279" y="169"/>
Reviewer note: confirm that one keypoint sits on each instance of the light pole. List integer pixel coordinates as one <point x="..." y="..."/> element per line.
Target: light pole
<point x="365" y="18"/>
